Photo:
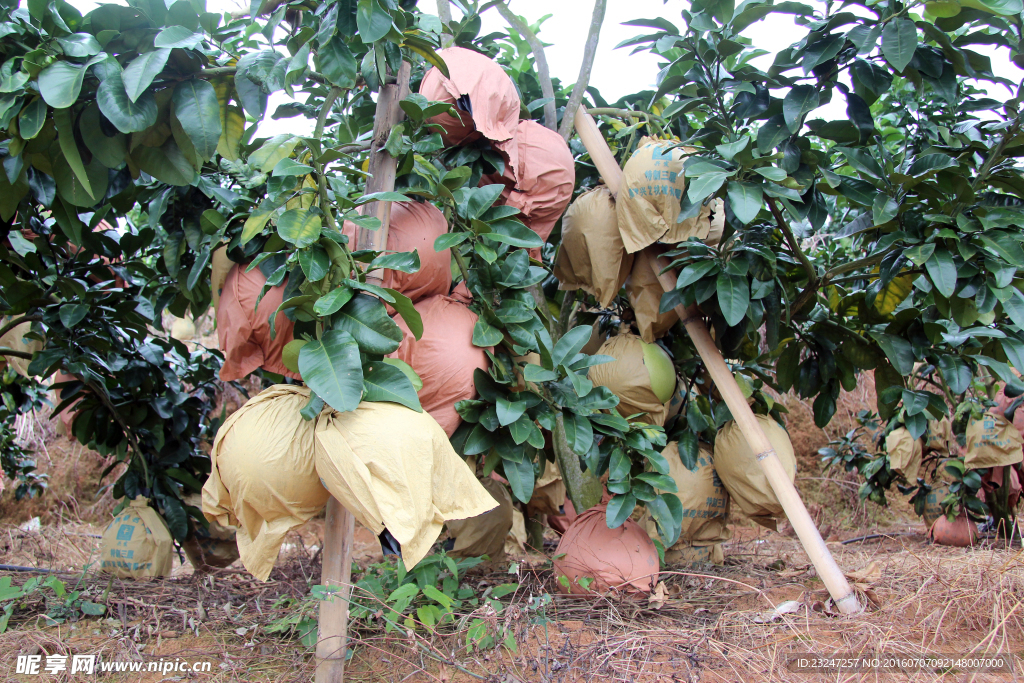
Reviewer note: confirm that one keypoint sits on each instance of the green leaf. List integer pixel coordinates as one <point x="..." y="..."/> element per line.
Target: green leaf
<point x="772" y="133"/>
<point x="72" y="314"/>
<point x="449" y="240"/>
<point x="166" y="163"/>
<point x="314" y="263"/>
<point x="579" y="433"/>
<point x="482" y="198"/>
<point x="1014" y="307"/>
<point x="619" y="509"/>
<point x="80" y="45"/>
<point x="64" y="122"/>
<point x="272" y="151"/>
<point x="883" y="209"/>
<point x="202" y="259"/>
<point x="535" y="373"/>
<point x="402" y="261"/>
<point x="385" y="382"/>
<point x="929" y="163"/>
<point x="570" y="344"/>
<point x="898" y="350"/>
<point x="140" y="73"/>
<point x="31" y="119"/>
<point x="407" y="370"/>
<point x="337" y="63"/>
<point x="800" y="100"/>
<point x="730" y="150"/>
<point x="520" y="479"/>
<point x="899" y="42"/>
<point x="177" y="36"/>
<point x="704" y="186"/>
<point x="366" y="319"/>
<point x="745" y="200"/>
<point x="300" y="227"/>
<point x="513" y="233"/>
<point x="127" y="115"/>
<point x="485" y="335"/>
<point x="372" y="21"/>
<point x="331" y="368"/>
<point x="956" y="373"/>
<point x="404" y="307"/>
<point x="256" y="221"/>
<point x="198" y="111"/>
<point x="60" y="84"/>
<point x="332" y="302"/>
<point x="942" y="272"/>
<point x="71" y="189"/>
<point x="733" y="297"/>
<point x="290" y="168"/>
<point x="509" y="411"/>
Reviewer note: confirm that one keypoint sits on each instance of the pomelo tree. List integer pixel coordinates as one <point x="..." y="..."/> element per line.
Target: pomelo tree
<point x="887" y="241"/>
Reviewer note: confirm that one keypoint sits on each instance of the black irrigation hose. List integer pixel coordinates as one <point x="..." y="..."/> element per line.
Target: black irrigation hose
<point x="16" y="568"/>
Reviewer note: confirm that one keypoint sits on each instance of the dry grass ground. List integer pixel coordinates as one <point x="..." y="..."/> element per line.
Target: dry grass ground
<point x="716" y="623"/>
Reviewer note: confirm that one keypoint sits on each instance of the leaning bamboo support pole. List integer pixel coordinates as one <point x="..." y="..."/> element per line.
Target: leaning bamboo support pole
<point x="789" y="498"/>
<point x="339" y="527"/>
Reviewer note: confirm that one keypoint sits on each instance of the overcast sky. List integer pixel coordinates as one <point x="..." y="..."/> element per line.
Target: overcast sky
<point x="616" y="72"/>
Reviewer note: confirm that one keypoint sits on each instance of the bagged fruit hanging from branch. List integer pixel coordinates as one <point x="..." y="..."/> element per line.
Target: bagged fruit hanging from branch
<point x="243" y="329"/>
<point x="393" y="468"/>
<point x="263" y="480"/>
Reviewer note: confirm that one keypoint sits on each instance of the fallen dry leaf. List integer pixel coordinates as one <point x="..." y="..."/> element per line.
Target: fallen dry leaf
<point x="868" y="575"/>
<point x="658" y="597"/>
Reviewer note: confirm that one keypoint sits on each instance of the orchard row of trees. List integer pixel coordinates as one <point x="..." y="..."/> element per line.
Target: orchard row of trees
<point x="887" y="242"/>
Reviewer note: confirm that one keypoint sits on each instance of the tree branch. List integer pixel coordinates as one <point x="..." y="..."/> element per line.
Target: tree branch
<point x="780" y="220"/>
<point x="18" y="321"/>
<point x="543" y="75"/>
<point x="4" y="351"/>
<point x="589" y="52"/>
<point x="444" y="13"/>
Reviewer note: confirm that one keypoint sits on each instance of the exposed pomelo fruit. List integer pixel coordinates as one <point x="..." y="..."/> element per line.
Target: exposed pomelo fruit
<point x="661" y="370"/>
<point x="290" y="354"/>
<point x="183" y="329"/>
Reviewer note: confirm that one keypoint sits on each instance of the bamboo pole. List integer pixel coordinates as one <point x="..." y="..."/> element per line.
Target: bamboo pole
<point x="339" y="527"/>
<point x="830" y="573"/>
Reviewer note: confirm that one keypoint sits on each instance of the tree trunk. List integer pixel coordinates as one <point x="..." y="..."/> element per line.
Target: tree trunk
<point x="583" y="488"/>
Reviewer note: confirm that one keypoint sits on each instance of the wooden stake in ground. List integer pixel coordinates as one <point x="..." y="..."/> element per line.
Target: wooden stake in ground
<point x="339" y="526"/>
<point x="789" y="498"/>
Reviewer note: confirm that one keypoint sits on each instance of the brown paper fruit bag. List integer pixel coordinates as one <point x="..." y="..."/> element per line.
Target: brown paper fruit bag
<point x="243" y="330"/>
<point x="644" y="293"/>
<point x="592" y="256"/>
<point x="939" y="439"/>
<point x="642" y="376"/>
<point x="904" y="453"/>
<point x="704" y="499"/>
<point x="542" y="181"/>
<point x="15" y="340"/>
<point x="649" y="199"/>
<point x="992" y="441"/>
<point x="622" y="559"/>
<point x="394" y="468"/>
<point x="933" y="503"/>
<point x="263" y="480"/>
<point x="484" y="534"/>
<point x="484" y="96"/>
<point x="444" y="357"/>
<point x="548" y="492"/>
<point x="688" y="554"/>
<point x="741" y="473"/>
<point x="414" y="226"/>
<point x="137" y="544"/>
<point x="220" y="266"/>
<point x="211" y="548"/>
<point x="960" y="533"/>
